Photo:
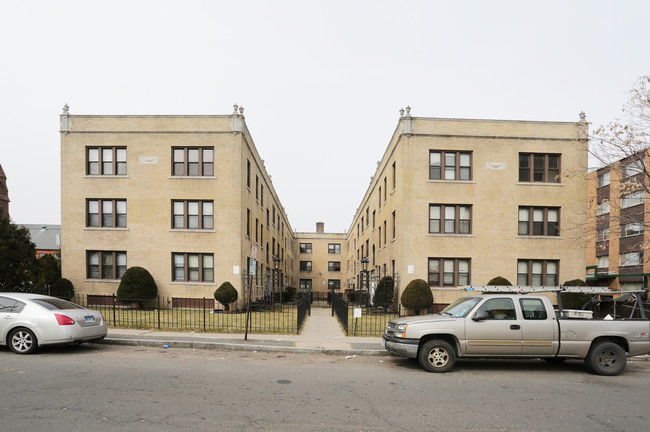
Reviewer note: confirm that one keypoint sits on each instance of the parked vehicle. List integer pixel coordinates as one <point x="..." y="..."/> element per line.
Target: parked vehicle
<point x="515" y="326"/>
<point x="28" y="321"/>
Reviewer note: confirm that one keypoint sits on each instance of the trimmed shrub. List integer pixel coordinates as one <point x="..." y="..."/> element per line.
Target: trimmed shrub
<point x="499" y="281"/>
<point x="417" y="295"/>
<point x="62" y="288"/>
<point x="574" y="300"/>
<point x="226" y="294"/>
<point x="136" y="285"/>
<point x="384" y="293"/>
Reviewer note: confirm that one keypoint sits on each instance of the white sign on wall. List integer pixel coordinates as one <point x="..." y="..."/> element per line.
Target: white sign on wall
<point x="410" y="269"/>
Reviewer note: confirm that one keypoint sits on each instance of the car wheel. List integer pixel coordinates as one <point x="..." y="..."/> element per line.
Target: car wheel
<point x="437" y="356"/>
<point x="22" y="341"/>
<point x="606" y="358"/>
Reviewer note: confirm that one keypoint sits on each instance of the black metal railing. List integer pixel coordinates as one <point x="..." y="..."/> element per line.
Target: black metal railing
<point x="303" y="308"/>
<point x="194" y="314"/>
<point x="340" y="308"/>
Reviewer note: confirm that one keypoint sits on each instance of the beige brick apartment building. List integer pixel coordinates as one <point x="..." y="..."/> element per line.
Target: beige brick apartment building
<point x="453" y="202"/>
<point x="186" y="197"/>
<point x="458" y="202"/>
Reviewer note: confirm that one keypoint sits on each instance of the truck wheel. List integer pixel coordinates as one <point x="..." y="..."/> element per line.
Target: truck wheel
<point x="606" y="358"/>
<point x="437" y="356"/>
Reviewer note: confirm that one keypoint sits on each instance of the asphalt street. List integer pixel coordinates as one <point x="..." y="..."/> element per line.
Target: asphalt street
<point x="131" y="388"/>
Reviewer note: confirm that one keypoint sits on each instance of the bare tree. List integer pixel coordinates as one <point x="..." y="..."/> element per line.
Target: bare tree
<point x="620" y="156"/>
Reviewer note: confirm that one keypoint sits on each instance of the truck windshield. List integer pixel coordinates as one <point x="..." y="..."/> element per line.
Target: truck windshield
<point x="461" y="307"/>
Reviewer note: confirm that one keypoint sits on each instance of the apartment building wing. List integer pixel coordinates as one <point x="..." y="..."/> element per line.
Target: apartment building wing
<point x="186" y="197"/>
<point x="321" y="266"/>
<point x="616" y="234"/>
<point x="458" y="202"/>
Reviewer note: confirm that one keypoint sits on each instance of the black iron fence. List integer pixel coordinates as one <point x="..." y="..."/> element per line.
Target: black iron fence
<point x="197" y="314"/>
<point x="340" y="308"/>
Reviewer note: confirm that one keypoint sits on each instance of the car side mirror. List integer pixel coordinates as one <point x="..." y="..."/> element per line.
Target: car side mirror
<point x="480" y="316"/>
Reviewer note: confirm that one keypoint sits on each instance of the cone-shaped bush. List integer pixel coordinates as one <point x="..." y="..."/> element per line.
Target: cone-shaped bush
<point x="226" y="294"/>
<point x="384" y="292"/>
<point x="417" y="295"/>
<point x="137" y="284"/>
<point x="499" y="281"/>
<point x="574" y="300"/>
<point x="63" y="288"/>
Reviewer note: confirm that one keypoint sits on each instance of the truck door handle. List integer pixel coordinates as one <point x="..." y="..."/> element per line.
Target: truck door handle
<point x="515" y="327"/>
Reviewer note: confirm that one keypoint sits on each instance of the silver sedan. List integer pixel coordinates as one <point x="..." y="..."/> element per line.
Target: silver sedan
<point x="28" y="321"/>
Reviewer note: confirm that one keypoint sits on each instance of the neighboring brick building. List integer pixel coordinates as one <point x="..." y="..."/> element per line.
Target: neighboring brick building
<point x="458" y="202"/>
<point x="320" y="257"/>
<point x="186" y="197"/>
<point x="616" y="224"/>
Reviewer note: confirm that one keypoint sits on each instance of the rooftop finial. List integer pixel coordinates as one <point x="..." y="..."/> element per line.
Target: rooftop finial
<point x="66" y="109"/>
<point x="241" y="110"/>
<point x="408" y="111"/>
<point x="583" y="116"/>
<point x="235" y="107"/>
<point x="401" y="112"/>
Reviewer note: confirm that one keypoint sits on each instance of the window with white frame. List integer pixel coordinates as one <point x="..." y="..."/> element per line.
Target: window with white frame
<point x="603" y="179"/>
<point x="602" y="235"/>
<point x="631" y="229"/>
<point x="630" y="200"/>
<point x="603" y="208"/>
<point x="632" y="169"/>
<point x="603" y="262"/>
<point x="631" y="259"/>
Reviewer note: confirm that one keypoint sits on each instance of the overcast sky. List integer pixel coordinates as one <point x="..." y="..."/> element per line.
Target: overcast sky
<point x="321" y="82"/>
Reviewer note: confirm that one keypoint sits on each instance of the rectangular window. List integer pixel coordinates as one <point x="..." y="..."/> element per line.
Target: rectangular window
<point x="533" y="309"/>
<point x="334" y="248"/>
<point x="305" y="248"/>
<point x="257" y="188"/>
<point x="248" y="223"/>
<point x="603" y="180"/>
<point x="631" y="259"/>
<point x="262" y="195"/>
<point x="633" y="199"/>
<point x="188" y="214"/>
<point x="305" y="284"/>
<point x="106" y="160"/>
<point x="394" y="226"/>
<point x="603" y="262"/>
<point x="450" y="165"/>
<point x="334" y="284"/>
<point x="105" y="264"/>
<point x="603" y="208"/>
<point x="536" y="167"/>
<point x="248" y="174"/>
<point x="632" y="169"/>
<point x="394" y="176"/>
<point x="631" y="229"/>
<point x="602" y="235"/>
<point x="537" y="272"/>
<point x="539" y="221"/>
<point x="449" y="219"/>
<point x="305" y="266"/>
<point x="192" y="267"/>
<point x="113" y="213"/>
<point x="455" y="271"/>
<point x="192" y="161"/>
<point x="334" y="266"/>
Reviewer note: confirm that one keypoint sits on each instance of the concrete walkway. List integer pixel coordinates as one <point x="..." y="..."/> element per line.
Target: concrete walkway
<point x="321" y="333"/>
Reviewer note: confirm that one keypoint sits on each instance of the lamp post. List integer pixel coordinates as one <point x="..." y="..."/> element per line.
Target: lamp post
<point x="276" y="269"/>
<point x="364" y="271"/>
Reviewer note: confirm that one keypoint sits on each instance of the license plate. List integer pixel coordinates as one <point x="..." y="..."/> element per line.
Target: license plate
<point x="90" y="319"/>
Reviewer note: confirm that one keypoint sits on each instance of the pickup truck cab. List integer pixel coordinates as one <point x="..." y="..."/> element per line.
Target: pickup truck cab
<point x="515" y="326"/>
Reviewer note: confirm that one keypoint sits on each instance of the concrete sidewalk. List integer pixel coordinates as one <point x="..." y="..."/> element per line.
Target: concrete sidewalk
<point x="321" y="333"/>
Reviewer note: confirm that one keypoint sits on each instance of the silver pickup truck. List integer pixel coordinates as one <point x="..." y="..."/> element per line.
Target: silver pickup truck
<point x="515" y="326"/>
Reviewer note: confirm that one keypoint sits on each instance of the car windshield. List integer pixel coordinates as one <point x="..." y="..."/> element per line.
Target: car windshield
<point x="56" y="304"/>
<point x="461" y="307"/>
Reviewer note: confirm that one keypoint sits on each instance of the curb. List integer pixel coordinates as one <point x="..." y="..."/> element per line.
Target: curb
<point x="243" y="346"/>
